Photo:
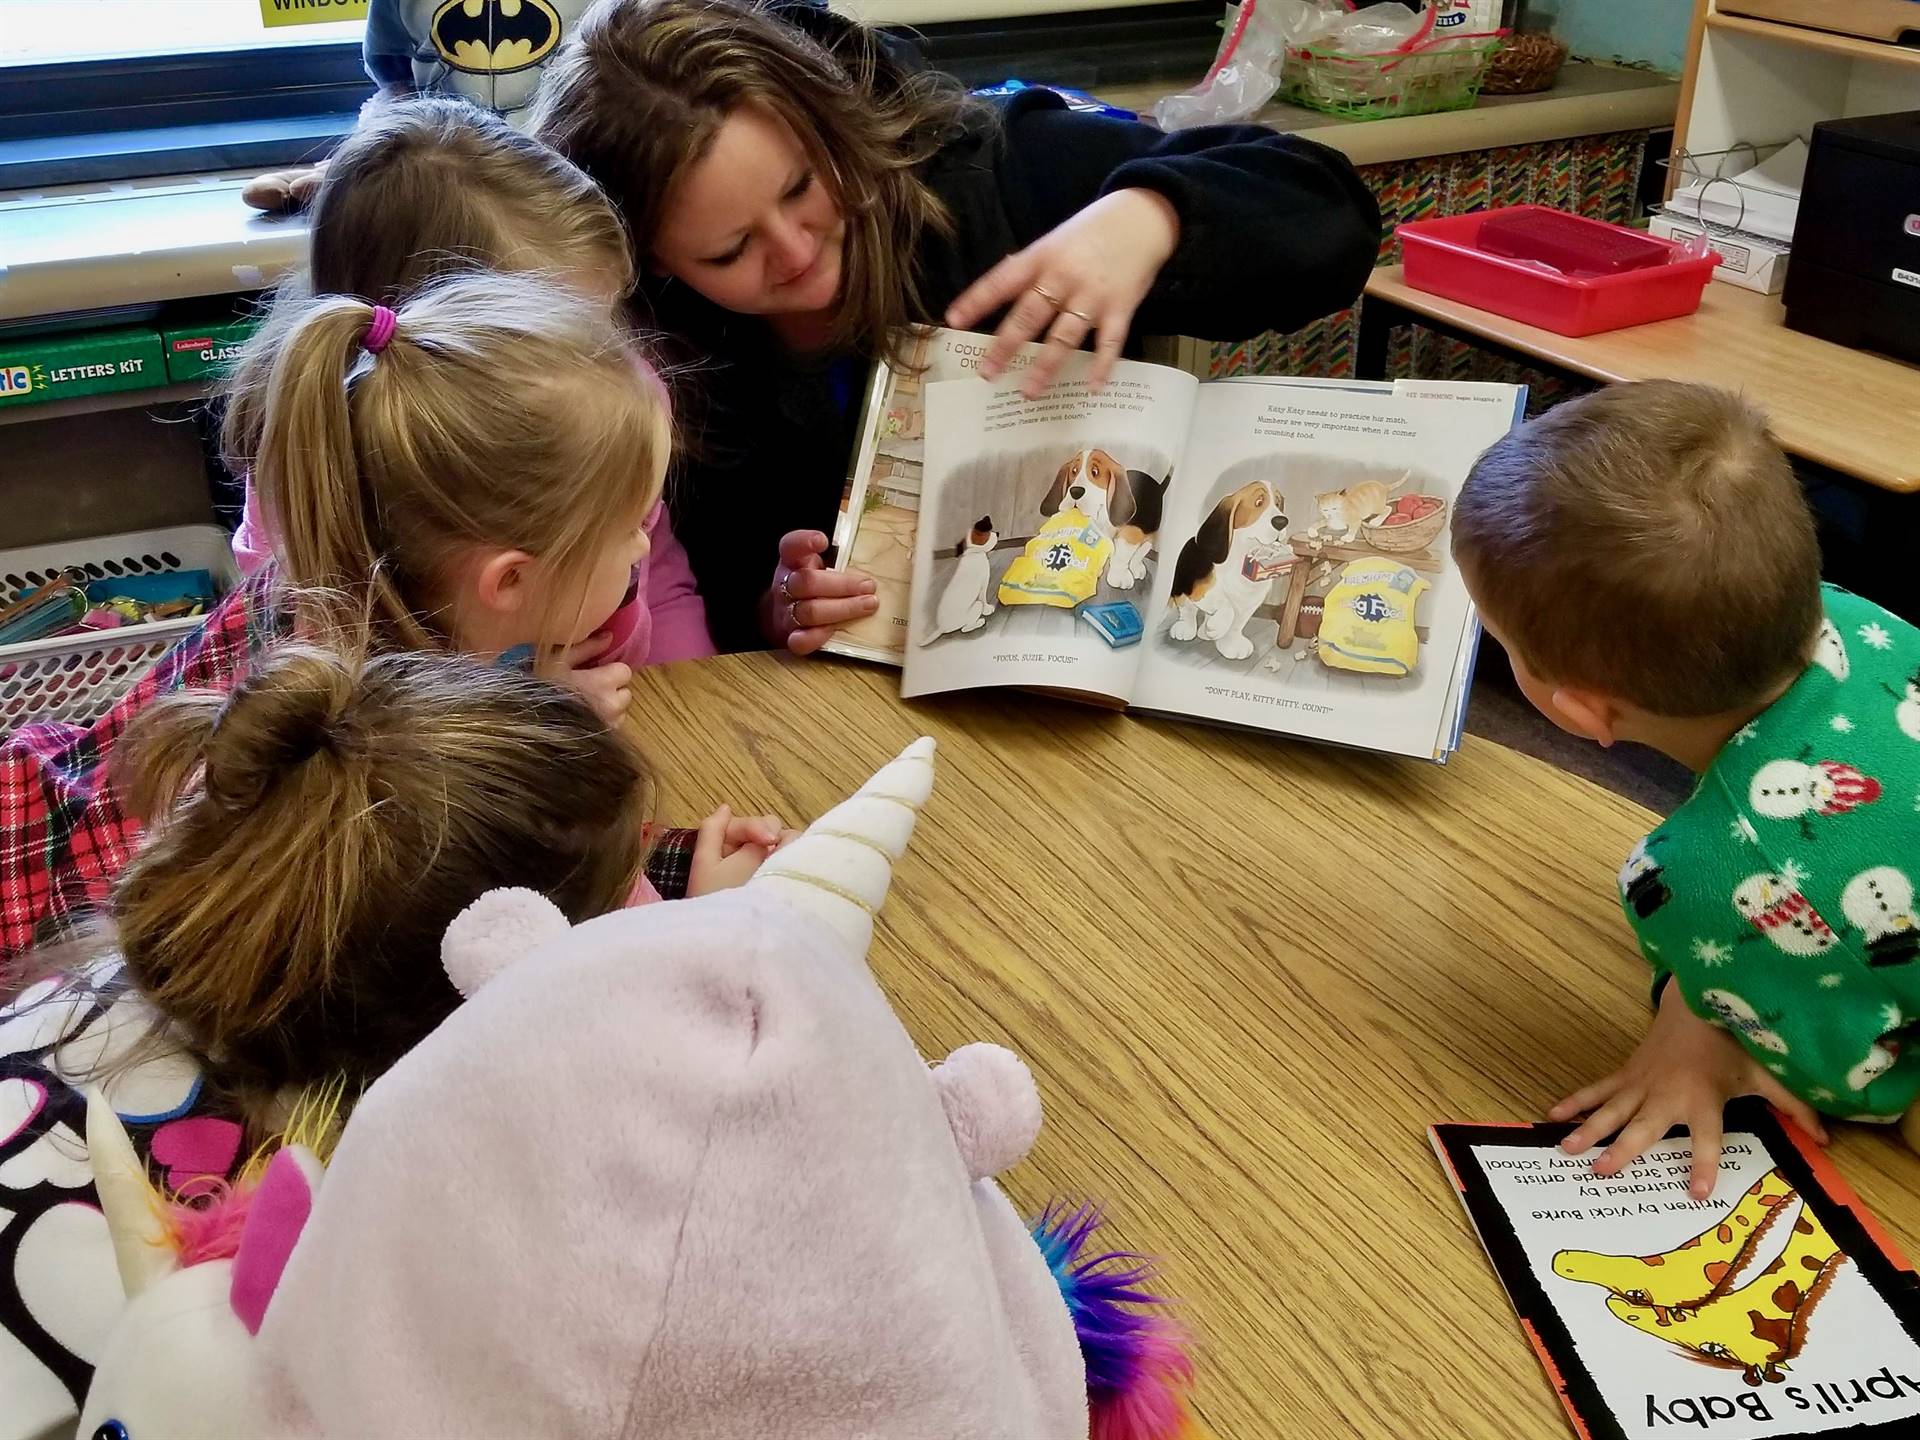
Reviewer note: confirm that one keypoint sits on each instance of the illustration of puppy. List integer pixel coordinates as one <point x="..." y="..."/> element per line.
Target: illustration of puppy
<point x="1343" y="512"/>
<point x="965" y="604"/>
<point x="1124" y="505"/>
<point x="1212" y="597"/>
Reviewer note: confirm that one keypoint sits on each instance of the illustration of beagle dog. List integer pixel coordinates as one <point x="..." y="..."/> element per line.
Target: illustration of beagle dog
<point x="1123" y="505"/>
<point x="1213" y="597"/>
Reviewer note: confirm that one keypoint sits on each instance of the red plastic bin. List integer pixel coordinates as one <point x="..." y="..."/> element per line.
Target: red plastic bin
<point x="1443" y="257"/>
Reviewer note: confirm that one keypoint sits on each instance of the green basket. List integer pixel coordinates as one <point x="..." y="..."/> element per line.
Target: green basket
<point x="1446" y="76"/>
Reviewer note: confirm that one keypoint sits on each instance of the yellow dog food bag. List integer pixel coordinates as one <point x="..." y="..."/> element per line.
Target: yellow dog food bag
<point x="1367" y="624"/>
<point x="1060" y="566"/>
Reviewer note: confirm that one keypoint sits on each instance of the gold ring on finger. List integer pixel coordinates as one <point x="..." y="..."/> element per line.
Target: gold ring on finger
<point x="1047" y="295"/>
<point x="793" y="614"/>
<point x="1080" y="315"/>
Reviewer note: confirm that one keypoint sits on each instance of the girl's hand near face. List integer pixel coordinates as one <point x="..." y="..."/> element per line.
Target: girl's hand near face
<point x="807" y="602"/>
<point x="1084" y="277"/>
<point x="607" y="688"/>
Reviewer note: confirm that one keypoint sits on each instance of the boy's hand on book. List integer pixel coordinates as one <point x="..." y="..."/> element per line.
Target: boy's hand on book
<point x="729" y="848"/>
<point x="807" y="602"/>
<point x="1684" y="1073"/>
<point x="1086" y="276"/>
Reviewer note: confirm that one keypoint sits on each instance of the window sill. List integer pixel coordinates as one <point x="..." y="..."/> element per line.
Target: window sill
<point x="97" y="247"/>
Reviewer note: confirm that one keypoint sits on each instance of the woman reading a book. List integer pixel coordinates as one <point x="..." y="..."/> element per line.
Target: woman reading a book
<point x="800" y="189"/>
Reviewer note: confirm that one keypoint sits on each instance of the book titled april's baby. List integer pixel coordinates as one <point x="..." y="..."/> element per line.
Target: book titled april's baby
<point x="1776" y="1308"/>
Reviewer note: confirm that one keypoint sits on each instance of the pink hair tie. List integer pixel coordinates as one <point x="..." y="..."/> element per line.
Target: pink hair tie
<point x="379" y="329"/>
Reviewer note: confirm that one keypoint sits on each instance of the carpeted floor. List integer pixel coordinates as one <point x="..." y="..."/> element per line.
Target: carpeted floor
<point x="1497" y="711"/>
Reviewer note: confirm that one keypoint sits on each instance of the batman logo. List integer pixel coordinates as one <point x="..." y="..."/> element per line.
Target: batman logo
<point x="495" y="37"/>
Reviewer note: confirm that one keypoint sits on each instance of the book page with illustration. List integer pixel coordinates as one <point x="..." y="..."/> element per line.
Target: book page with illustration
<point x="879" y="508"/>
<point x="1037" y="527"/>
<point x="1304" y="582"/>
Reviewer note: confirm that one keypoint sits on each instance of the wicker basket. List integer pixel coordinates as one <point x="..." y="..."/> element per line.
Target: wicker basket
<point x="1421" y="81"/>
<point x="1406" y="539"/>
<point x="1526" y="65"/>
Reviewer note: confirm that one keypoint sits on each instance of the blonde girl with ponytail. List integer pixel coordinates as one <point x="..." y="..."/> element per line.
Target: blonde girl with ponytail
<point x="468" y="470"/>
<point x="472" y="470"/>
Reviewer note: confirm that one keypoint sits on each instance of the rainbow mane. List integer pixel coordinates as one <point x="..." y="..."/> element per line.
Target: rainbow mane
<point x="203" y="1220"/>
<point x="1139" y="1374"/>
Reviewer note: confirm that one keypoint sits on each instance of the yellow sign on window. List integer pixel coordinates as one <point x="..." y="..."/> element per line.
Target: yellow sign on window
<point x="274" y="13"/>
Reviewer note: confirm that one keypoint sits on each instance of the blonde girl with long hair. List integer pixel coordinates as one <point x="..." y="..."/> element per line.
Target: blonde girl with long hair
<point x="426" y="188"/>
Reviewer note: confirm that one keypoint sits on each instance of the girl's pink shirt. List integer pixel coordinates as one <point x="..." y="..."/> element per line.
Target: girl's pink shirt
<point x="666" y="622"/>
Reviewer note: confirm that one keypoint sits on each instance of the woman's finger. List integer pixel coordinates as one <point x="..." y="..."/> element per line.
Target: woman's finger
<point x="829" y="584"/>
<point x="826" y="614"/>
<point x="805" y="642"/>
<point x="1029" y="317"/>
<point x="993" y="289"/>
<point x="1069" y="328"/>
<point x="797" y="547"/>
<point x="1114" y="326"/>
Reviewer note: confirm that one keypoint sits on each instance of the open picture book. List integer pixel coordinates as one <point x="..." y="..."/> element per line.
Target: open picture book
<point x="1776" y="1308"/>
<point x="1264" y="553"/>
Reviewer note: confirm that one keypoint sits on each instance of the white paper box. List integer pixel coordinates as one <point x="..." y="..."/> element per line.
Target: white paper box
<point x="1750" y="261"/>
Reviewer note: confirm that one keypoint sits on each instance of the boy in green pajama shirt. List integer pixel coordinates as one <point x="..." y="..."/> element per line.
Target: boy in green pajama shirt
<point x="1647" y="559"/>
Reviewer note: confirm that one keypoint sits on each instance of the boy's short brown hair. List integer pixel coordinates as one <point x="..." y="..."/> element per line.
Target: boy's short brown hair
<point x="1647" y="540"/>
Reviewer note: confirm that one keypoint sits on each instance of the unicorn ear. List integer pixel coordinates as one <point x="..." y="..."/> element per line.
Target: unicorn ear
<point x="141" y="1247"/>
<point x="839" y="870"/>
<point x="493" y="932"/>
<point x="275" y="1220"/>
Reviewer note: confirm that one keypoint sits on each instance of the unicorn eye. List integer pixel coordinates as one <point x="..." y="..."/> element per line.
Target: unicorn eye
<point x="110" y="1430"/>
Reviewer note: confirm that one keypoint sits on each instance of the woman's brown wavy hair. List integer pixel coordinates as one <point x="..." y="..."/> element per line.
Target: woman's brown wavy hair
<point x="637" y="95"/>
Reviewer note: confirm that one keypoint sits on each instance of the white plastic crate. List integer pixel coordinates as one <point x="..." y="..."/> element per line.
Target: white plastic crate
<point x="77" y="678"/>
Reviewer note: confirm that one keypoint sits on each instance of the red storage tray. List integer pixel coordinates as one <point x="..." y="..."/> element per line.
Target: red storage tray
<point x="1443" y="257"/>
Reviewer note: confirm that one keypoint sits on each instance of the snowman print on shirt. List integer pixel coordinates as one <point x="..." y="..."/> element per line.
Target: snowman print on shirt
<point x="1794" y="790"/>
<point x="1734" y="1013"/>
<point x="1906" y="709"/>
<point x="1880" y="1058"/>
<point x="1879" y="904"/>
<point x="1640" y="882"/>
<point x="1829" y="653"/>
<point x="1774" y="905"/>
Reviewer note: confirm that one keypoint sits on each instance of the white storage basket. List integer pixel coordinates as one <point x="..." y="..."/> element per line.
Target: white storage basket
<point x="78" y="677"/>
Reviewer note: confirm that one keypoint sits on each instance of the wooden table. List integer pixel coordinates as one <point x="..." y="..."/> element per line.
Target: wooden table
<point x="1852" y="411"/>
<point x="1246" y="974"/>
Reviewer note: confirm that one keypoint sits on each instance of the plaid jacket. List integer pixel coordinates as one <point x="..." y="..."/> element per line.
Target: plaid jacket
<point x="63" y="836"/>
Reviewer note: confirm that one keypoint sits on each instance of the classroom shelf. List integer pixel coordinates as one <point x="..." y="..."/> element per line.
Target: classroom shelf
<point x="1824" y="41"/>
<point x="112" y="400"/>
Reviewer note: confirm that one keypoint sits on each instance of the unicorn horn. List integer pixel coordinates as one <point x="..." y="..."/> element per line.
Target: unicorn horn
<point x="839" y="870"/>
<point x="132" y="1208"/>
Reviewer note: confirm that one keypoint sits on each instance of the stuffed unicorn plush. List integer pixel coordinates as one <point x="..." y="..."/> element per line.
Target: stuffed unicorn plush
<point x="676" y="1171"/>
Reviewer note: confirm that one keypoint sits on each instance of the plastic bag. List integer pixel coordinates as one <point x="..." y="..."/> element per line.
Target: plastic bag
<point x="1246" y="71"/>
